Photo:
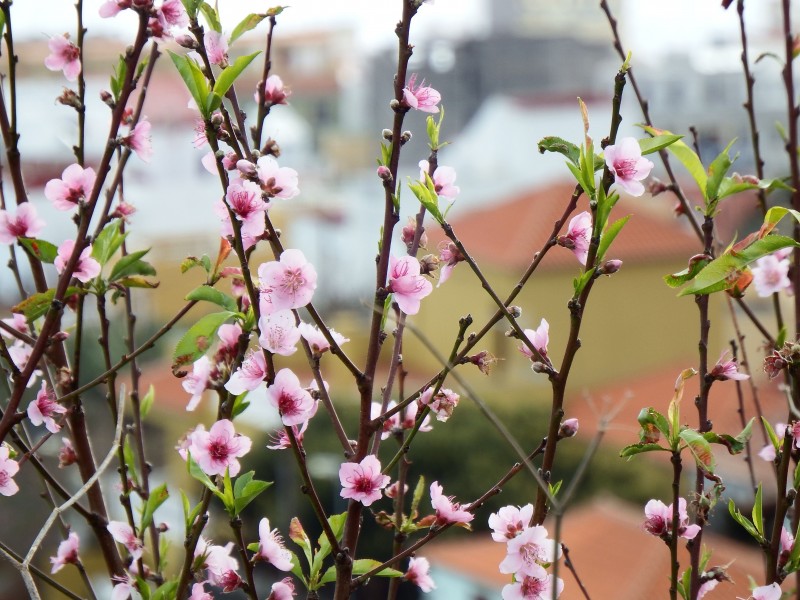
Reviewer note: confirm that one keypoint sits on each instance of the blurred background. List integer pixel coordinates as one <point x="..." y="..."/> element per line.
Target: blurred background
<point x="509" y="72"/>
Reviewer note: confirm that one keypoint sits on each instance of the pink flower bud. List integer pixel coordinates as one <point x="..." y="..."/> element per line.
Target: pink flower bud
<point x="568" y="428"/>
<point x="384" y="173"/>
<point x="610" y="266"/>
<point x="187" y="41"/>
<point x="246" y="168"/>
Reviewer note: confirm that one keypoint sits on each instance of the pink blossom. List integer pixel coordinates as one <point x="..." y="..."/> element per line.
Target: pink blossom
<point x="407" y="285"/>
<point x="393" y="489"/>
<point x="706" y="587"/>
<point x="443" y="179"/>
<point x="532" y="588"/>
<point x="579" y="235"/>
<point x="44" y="408"/>
<point x="568" y="428"/>
<point x="64" y="56"/>
<point x="528" y="551"/>
<point x="20" y="353"/>
<point x="624" y="159"/>
<point x="421" y="97"/>
<point x="771" y="274"/>
<point x="244" y="199"/>
<point x="658" y="520"/>
<point x="282" y="590"/>
<point x="293" y="402"/>
<point x="447" y="511"/>
<point x="8" y="468"/>
<point x="419" y="573"/>
<point x="125" y="535"/>
<point x="76" y="184"/>
<point x="288" y="283"/>
<point x="317" y="340"/>
<point x="280" y="439"/>
<point x="185" y="442"/>
<point x="110" y="8"/>
<point x="509" y="522"/>
<point x="86" y="269"/>
<point x="229" y="334"/>
<point x="250" y="375"/>
<point x="363" y="481"/>
<point x="16" y="322"/>
<point x="26" y="223"/>
<point x="139" y="140"/>
<point x="796" y="433"/>
<point x="449" y="257"/>
<point x="216" y="47"/>
<point x="279" y="333"/>
<point x="539" y="339"/>
<point x="443" y="403"/>
<point x="173" y="14"/>
<point x="271" y="548"/>
<point x="124" y="587"/>
<point x="277" y="181"/>
<point x="217" y="561"/>
<point x="391" y="424"/>
<point x="274" y="91"/>
<point x="67" y="553"/>
<point x="199" y="592"/>
<point x="410" y="418"/>
<point x="216" y="450"/>
<point x="767" y="592"/>
<point x="196" y="382"/>
<point x="727" y="369"/>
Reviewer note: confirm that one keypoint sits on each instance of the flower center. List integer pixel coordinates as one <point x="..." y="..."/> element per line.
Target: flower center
<point x="218" y="451"/>
<point x="625" y="167"/>
<point x="532" y="587"/>
<point x="293" y="280"/>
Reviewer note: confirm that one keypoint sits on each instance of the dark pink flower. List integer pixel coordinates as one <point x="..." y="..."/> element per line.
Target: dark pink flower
<point x="220" y="566"/>
<point x="288" y="283"/>
<point x="64" y="56"/>
<point x="124" y="534"/>
<point x="26" y="223"/>
<point x="274" y="91"/>
<point x="293" y="402"/>
<point x="406" y="283"/>
<point x="244" y="199"/>
<point x="658" y="520"/>
<point x="420" y="96"/>
<point x="217" y="449"/>
<point x="76" y="184"/>
<point x="624" y="159"/>
<point x="363" y="481"/>
<point x="447" y="511"/>
<point x="443" y="403"/>
<point x="271" y="548"/>
<point x="419" y="573"/>
<point x="67" y="553"/>
<point x="8" y="468"/>
<point x="87" y="267"/>
<point x="44" y="408"/>
<point x="579" y="236"/>
<point x="727" y="369"/>
<point x="280" y="439"/>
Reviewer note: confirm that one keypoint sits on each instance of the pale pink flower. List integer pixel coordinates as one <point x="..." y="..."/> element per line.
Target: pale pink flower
<point x="250" y="375"/>
<point x="185" y="443"/>
<point x="767" y="592"/>
<point x="447" y="511"/>
<point x="658" y="520"/>
<point x="624" y="159"/>
<point x="8" y="468"/>
<point x="509" y="522"/>
<point x="391" y="424"/>
<point x="282" y="590"/>
<point x="420" y="96"/>
<point x="43" y="409"/>
<point x="527" y="552"/>
<point x="443" y="179"/>
<point x="244" y="199"/>
<point x="110" y="8"/>
<point x="539" y="339"/>
<point x="271" y="548"/>
<point x="139" y="140"/>
<point x="449" y="257"/>
<point x="20" y="354"/>
<point x="579" y="236"/>
<point x="26" y="223"/>
<point x="217" y="449"/>
<point x="124" y="587"/>
<point x="407" y="285"/>
<point x="532" y="588"/>
<point x="209" y="162"/>
<point x="363" y="481"/>
<point x="279" y="333"/>
<point x="76" y="184"/>
<point x="796" y="433"/>
<point x="727" y="369"/>
<point x="124" y="534"/>
<point x="277" y="181"/>
<point x="706" y="587"/>
<point x="787" y="544"/>
<point x="317" y="340"/>
<point x="64" y="56"/>
<point x="195" y="383"/>
<point x="17" y="322"/>
<point x="288" y="283"/>
<point x="216" y="47"/>
<point x="293" y="402"/>
<point x="280" y="439"/>
<point x="67" y="553"/>
<point x="216" y="560"/>
<point x="86" y="269"/>
<point x="419" y="573"/>
<point x="410" y="418"/>
<point x="229" y="334"/>
<point x="443" y="403"/>
<point x="274" y="91"/>
<point x="199" y="592"/>
<point x="393" y="489"/>
<point x="173" y="14"/>
<point x="771" y="274"/>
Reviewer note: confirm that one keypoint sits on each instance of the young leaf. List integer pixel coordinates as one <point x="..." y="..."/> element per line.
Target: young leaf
<point x="40" y="249"/>
<point x="157" y="497"/>
<point x="37" y="305"/>
<point x="561" y="146"/>
<point x="758" y="513"/>
<point x="248" y="492"/>
<point x="192" y="261"/>
<point x="147" y="402"/>
<point x="212" y="18"/>
<point x="673" y="412"/>
<point x="361" y="566"/>
<point x="197" y="473"/>
<point x="634" y="449"/>
<point x="194" y="79"/>
<point x="700" y="449"/>
<point x="166" y="590"/>
<point x="229" y="74"/>
<point x="131" y="264"/>
<point x="250" y="22"/>
<point x="686" y="156"/>
<point x="429" y="200"/>
<point x="689" y="273"/>
<point x="337" y="526"/>
<point x="298" y="535"/>
<point x="717" y="170"/>
<point x="130" y="461"/>
<point x="609" y="234"/>
<point x="196" y="342"/>
<point x="206" y="293"/>
<point x="107" y="243"/>
<point x="658" y="142"/>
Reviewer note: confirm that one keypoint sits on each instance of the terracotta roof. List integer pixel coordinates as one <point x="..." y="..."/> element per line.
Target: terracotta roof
<point x="508" y="233"/>
<point x="611" y="553"/>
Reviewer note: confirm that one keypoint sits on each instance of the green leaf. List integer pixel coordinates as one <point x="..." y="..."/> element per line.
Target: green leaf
<point x="744" y="522"/>
<point x="419" y="492"/>
<point x="196" y="342"/>
<point x="337" y="526"/>
<point x="40" y="249"/>
<point x="250" y="22"/>
<point x="658" y="142"/>
<point x="580" y="282"/>
<point x="37" y="305"/>
<point x="118" y="77"/>
<point x="206" y="293"/>
<point x="686" y="156"/>
<point x="192" y="261"/>
<point x="131" y="264"/>
<point x="717" y="170"/>
<point x="608" y="236"/>
<point x="248" y="492"/>
<point x="191" y="7"/>
<point x="793" y="563"/>
<point x="276" y="10"/>
<point x="773" y="437"/>
<point x="696" y="265"/>
<point x="239" y="405"/>
<point x="107" y="243"/>
<point x="560" y="146"/>
<point x="147" y="402"/>
<point x="360" y="567"/>
<point x="735" y="445"/>
<point x="194" y="79"/>
<point x="212" y="18"/>
<point x="674" y="409"/>
<point x="197" y="473"/>
<point x="189" y="514"/>
<point x="130" y="461"/>
<point x="298" y="535"/>
<point x="640" y="448"/>
<point x="166" y="591"/>
<point x="386" y="154"/>
<point x="429" y="200"/>
<point x="157" y="497"/>
<point x="758" y="513"/>
<point x="134" y="281"/>
<point x="588" y="188"/>
<point x="650" y="416"/>
<point x="700" y="449"/>
<point x="229" y="74"/>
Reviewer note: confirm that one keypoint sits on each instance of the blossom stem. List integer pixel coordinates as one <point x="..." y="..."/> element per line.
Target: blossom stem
<point x="263" y="109"/>
<point x="677" y="466"/>
<point x="781" y="508"/>
<point x="250" y="590"/>
<point x="81" y="109"/>
<point x="16" y="560"/>
<point x="190" y="544"/>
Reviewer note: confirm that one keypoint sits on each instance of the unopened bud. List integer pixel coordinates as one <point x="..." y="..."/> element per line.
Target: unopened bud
<point x="246" y="168"/>
<point x="428" y="264"/>
<point x="66" y="455"/>
<point x="187" y="41"/>
<point x="60" y="336"/>
<point x="538" y="367"/>
<point x="217" y="119"/>
<point x="566" y="241"/>
<point x="384" y="173"/>
<point x="405" y="137"/>
<point x="107" y="98"/>
<point x="409" y="231"/>
<point x="69" y="98"/>
<point x="271" y="148"/>
<point x="610" y="267"/>
<point x="515" y="311"/>
<point x="163" y="527"/>
<point x="568" y="428"/>
<point x="394" y="104"/>
<point x="387" y="134"/>
<point x="656" y="187"/>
